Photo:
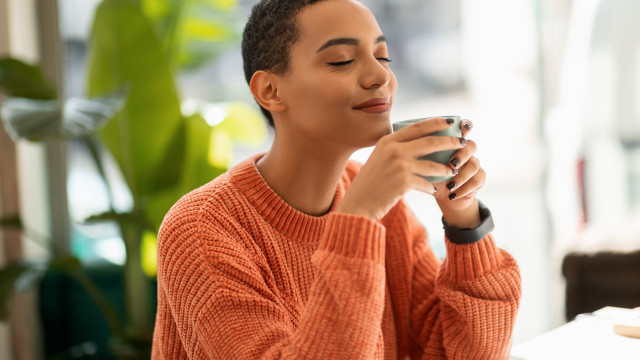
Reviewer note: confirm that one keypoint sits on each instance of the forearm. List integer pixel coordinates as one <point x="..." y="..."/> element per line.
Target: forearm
<point x="468" y="311"/>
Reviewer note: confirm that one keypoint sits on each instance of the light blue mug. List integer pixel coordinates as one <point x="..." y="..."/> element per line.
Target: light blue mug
<point x="442" y="157"/>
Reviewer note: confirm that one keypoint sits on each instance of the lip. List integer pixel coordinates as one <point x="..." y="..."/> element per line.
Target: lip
<point x="375" y="105"/>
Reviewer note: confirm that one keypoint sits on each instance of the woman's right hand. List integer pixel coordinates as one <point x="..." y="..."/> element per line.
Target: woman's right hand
<point x="393" y="168"/>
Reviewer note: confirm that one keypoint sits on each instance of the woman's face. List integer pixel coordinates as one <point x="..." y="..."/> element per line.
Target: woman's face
<point x="339" y="89"/>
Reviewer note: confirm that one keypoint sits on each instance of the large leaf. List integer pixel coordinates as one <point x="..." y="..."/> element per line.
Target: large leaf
<point x="125" y="50"/>
<point x="149" y="253"/>
<point x="196" y="170"/>
<point x="36" y="120"/>
<point x="127" y="219"/>
<point x="23" y="80"/>
<point x="31" y="119"/>
<point x="194" y="32"/>
<point x="82" y="116"/>
<point x="244" y="124"/>
<point x="205" y="34"/>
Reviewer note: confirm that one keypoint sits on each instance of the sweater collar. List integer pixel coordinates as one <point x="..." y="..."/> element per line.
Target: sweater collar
<point x="288" y="220"/>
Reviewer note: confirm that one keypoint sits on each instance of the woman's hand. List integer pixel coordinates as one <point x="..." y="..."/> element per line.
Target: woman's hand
<point x="457" y="197"/>
<point x="392" y="167"/>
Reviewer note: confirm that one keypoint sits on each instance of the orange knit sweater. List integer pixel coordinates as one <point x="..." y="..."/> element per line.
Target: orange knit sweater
<point x="243" y="275"/>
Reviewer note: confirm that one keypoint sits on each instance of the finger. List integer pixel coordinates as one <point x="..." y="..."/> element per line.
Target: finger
<point x="421" y="128"/>
<point x="473" y="184"/>
<point x="463" y="155"/>
<point x="469" y="196"/>
<point x="430" y="144"/>
<point x="465" y="173"/>
<point x="421" y="184"/>
<point x="424" y="168"/>
<point x="465" y="126"/>
<point x="431" y="168"/>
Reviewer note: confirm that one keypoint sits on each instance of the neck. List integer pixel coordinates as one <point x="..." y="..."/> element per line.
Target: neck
<point x="303" y="175"/>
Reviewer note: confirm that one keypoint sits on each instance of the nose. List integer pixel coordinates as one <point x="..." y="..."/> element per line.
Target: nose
<point x="375" y="74"/>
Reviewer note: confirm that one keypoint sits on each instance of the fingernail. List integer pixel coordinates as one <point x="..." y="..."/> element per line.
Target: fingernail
<point x="450" y="121"/>
<point x="463" y="141"/>
<point x="451" y="185"/>
<point x="452" y="196"/>
<point x="467" y="126"/>
<point x="454" y="171"/>
<point x="455" y="162"/>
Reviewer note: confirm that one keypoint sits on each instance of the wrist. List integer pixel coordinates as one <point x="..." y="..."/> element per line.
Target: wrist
<point x="467" y="218"/>
<point x="354" y="210"/>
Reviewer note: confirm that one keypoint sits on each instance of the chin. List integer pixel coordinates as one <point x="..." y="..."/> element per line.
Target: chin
<point x="372" y="140"/>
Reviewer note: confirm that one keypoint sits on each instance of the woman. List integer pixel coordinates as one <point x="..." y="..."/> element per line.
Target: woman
<point x="300" y="253"/>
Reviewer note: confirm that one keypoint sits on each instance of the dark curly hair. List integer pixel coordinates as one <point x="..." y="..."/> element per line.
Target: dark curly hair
<point x="268" y="37"/>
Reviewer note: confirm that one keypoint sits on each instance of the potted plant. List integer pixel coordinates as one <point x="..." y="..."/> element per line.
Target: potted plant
<point x="163" y="146"/>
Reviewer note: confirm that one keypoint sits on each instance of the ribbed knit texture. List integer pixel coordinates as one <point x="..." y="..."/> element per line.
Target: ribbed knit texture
<point x="243" y="275"/>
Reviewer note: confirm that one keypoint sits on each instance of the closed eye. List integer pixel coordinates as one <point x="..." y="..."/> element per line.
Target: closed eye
<point x="347" y="62"/>
<point x="340" y="63"/>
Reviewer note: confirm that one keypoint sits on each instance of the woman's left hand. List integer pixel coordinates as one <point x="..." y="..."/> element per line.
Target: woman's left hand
<point x="457" y="196"/>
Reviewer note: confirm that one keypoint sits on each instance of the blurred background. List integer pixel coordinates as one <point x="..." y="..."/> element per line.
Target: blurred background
<point x="552" y="87"/>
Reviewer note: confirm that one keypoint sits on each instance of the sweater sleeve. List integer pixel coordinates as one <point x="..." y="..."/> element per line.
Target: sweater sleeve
<point x="219" y="305"/>
<point x="464" y="307"/>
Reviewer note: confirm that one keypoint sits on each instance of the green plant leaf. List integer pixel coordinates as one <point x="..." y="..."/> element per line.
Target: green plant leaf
<point x="244" y="124"/>
<point x="82" y="116"/>
<point x="125" y="50"/>
<point x="66" y="263"/>
<point x="196" y="170"/>
<point x="19" y="79"/>
<point x="172" y="161"/>
<point x="219" y="4"/>
<point x="38" y="120"/>
<point x="204" y="34"/>
<point x="220" y="152"/>
<point x="149" y="253"/>
<point x="120" y="218"/>
<point x="31" y="119"/>
<point x="156" y="9"/>
<point x="194" y="32"/>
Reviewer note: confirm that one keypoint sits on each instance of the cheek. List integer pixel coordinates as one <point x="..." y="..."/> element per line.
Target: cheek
<point x="318" y="96"/>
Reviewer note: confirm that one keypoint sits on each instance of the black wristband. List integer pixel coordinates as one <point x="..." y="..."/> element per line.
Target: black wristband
<point x="469" y="236"/>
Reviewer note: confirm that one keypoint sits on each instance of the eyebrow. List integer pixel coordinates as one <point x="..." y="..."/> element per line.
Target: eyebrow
<point x="348" y="41"/>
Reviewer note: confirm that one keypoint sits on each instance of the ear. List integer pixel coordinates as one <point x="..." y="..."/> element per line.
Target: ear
<point x="264" y="87"/>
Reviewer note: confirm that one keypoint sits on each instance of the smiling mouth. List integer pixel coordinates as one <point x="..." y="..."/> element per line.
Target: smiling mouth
<point x="377" y="105"/>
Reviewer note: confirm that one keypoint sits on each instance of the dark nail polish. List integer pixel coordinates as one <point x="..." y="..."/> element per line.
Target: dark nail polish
<point x="454" y="171"/>
<point x="467" y="126"/>
<point x="451" y="185"/>
<point x="452" y="196"/>
<point x="455" y="162"/>
<point x="450" y="121"/>
<point x="463" y="141"/>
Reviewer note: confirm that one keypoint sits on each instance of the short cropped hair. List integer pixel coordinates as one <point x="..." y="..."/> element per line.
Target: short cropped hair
<point x="270" y="33"/>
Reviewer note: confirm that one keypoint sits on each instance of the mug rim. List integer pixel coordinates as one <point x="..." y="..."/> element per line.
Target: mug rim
<point x="411" y="121"/>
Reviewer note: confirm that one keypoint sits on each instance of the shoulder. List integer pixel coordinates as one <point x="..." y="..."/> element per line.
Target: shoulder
<point x="205" y="214"/>
<point x="191" y="208"/>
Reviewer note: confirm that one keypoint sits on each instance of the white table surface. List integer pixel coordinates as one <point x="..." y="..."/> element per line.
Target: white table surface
<point x="587" y="337"/>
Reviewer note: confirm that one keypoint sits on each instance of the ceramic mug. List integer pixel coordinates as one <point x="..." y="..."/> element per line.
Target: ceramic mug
<point x="442" y="157"/>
